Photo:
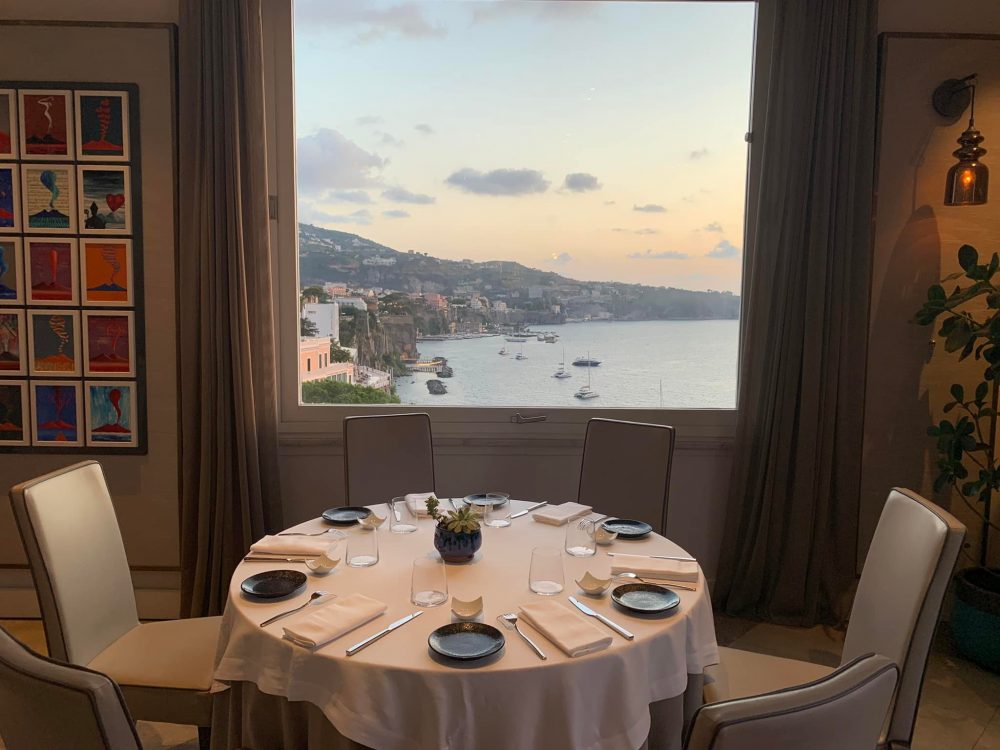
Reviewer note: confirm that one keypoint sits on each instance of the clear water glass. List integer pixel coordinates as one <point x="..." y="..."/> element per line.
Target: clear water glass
<point x="498" y="516"/>
<point x="429" y="583"/>
<point x="402" y="519"/>
<point x="580" y="538"/>
<point x="546" y="573"/>
<point x="362" y="548"/>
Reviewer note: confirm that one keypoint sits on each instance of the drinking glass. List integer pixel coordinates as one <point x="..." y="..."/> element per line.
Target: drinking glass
<point x="429" y="583"/>
<point x="498" y="516"/>
<point x="402" y="519"/>
<point x="362" y="548"/>
<point x="580" y="538"/>
<point x="546" y="573"/>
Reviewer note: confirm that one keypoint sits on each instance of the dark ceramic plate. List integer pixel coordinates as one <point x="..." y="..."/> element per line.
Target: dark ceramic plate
<point x="346" y="516"/>
<point x="627" y="528"/>
<point x="466" y="641"/>
<point x="274" y="584"/>
<point x="486" y="498"/>
<point x="644" y="598"/>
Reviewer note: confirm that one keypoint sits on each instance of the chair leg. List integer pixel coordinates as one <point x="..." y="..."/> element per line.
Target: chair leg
<point x="204" y="738"/>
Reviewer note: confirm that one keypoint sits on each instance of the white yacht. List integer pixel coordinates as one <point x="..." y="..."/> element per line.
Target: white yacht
<point x="561" y="372"/>
<point x="503" y="352"/>
<point x="520" y="354"/>
<point x="586" y="391"/>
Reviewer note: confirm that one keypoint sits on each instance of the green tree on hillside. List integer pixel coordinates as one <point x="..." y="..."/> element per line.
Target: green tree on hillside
<point x="330" y="391"/>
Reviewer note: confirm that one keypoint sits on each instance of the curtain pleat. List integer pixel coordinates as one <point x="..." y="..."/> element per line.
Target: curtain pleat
<point x="790" y="539"/>
<point x="230" y="489"/>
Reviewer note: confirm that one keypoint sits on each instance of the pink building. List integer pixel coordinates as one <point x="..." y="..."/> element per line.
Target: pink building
<point x="315" y="362"/>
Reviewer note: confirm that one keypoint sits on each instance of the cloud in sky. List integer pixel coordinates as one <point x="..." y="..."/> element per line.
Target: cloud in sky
<point x="609" y="203"/>
<point x="724" y="249"/>
<point x="396" y="213"/>
<point x="497" y="10"/>
<point x="347" y="196"/>
<point x="366" y="120"/>
<point x="699" y="153"/>
<point x="650" y="208"/>
<point x="713" y="227"/>
<point x="561" y="258"/>
<point x="644" y="230"/>
<point x="387" y="139"/>
<point x="402" y="195"/>
<point x="329" y="160"/>
<point x="309" y="213"/>
<point x="499" y="181"/>
<point x="581" y="182"/>
<point x="664" y="255"/>
<point x="423" y="127"/>
<point x="405" y="19"/>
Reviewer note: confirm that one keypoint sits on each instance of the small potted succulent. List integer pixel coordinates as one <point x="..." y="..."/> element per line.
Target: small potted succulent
<point x="457" y="536"/>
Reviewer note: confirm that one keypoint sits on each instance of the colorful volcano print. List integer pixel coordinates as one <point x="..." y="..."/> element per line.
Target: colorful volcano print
<point x="10" y="272"/>
<point x="8" y="140"/>
<point x="13" y="407"/>
<point x="52" y="271"/>
<point x="48" y="197"/>
<point x="105" y="203"/>
<point x="56" y="413"/>
<point x="109" y="344"/>
<point x="12" y="359"/>
<point x="103" y="132"/>
<point x="46" y="125"/>
<point x="8" y="198"/>
<point x="111" y="413"/>
<point x="54" y="343"/>
<point x="107" y="272"/>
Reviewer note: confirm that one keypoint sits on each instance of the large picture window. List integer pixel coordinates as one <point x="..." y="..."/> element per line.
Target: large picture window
<point x="532" y="203"/>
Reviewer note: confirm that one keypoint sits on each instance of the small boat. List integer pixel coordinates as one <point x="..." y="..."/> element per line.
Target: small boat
<point x="587" y="361"/>
<point x="561" y="372"/>
<point x="503" y="352"/>
<point x="585" y="391"/>
<point x="551" y="338"/>
<point x="540" y="337"/>
<point x="520" y="354"/>
<point x="513" y="339"/>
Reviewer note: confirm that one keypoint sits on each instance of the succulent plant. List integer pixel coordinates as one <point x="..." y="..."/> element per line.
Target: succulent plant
<point x="461" y="521"/>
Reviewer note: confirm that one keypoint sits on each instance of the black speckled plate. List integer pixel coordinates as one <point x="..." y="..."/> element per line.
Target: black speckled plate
<point x="346" y="516"/>
<point x="628" y="528"/>
<point x="273" y="584"/>
<point x="645" y="598"/>
<point x="466" y="641"/>
<point x="486" y="498"/>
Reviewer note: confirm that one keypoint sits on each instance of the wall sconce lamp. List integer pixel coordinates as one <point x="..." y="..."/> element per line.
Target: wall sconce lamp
<point x="968" y="180"/>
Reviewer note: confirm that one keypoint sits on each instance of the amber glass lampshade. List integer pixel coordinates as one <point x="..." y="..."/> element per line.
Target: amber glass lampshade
<point x="968" y="181"/>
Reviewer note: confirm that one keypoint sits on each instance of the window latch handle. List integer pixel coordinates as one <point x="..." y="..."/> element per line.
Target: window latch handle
<point x="518" y="419"/>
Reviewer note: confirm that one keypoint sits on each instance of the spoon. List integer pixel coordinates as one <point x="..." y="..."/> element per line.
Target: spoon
<point x="509" y="621"/>
<point x="655" y="583"/>
<point x="312" y="598"/>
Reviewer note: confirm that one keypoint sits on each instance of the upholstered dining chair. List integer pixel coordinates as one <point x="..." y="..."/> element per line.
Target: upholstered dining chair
<point x="895" y="613"/>
<point x="46" y="704"/>
<point x="386" y="456"/>
<point x="626" y="469"/>
<point x="70" y="532"/>
<point x="845" y="710"/>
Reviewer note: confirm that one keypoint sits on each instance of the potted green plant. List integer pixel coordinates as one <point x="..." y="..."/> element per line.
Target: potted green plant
<point x="966" y="440"/>
<point x="457" y="536"/>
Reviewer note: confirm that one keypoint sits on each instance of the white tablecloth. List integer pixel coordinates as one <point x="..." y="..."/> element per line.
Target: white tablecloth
<point x="395" y="695"/>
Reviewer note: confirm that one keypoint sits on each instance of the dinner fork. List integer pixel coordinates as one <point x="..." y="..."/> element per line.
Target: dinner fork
<point x="509" y="621"/>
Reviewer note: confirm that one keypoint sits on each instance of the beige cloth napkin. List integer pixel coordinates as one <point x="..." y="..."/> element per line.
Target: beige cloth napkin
<point x="293" y="545"/>
<point x="558" y="515"/>
<point x="652" y="567"/>
<point x="565" y="627"/>
<point x="417" y="502"/>
<point x="330" y="621"/>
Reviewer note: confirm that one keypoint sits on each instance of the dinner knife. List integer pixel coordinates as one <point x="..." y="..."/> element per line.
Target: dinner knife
<point x="658" y="557"/>
<point x="591" y="613"/>
<point x="252" y="558"/>
<point x="368" y="641"/>
<point x="526" y="511"/>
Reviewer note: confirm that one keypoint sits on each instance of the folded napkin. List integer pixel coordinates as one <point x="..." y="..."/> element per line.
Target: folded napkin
<point x="558" y="515"/>
<point x="566" y="628"/>
<point x="653" y="567"/>
<point x="417" y="502"/>
<point x="292" y="545"/>
<point x="330" y="621"/>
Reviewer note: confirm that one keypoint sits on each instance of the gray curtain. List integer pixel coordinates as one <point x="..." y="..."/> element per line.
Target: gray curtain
<point x="229" y="483"/>
<point x="792" y="521"/>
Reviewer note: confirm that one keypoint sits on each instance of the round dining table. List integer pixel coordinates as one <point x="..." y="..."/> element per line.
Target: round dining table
<point x="396" y="694"/>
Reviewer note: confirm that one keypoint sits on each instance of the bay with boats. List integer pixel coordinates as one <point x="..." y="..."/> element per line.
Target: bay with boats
<point x="669" y="363"/>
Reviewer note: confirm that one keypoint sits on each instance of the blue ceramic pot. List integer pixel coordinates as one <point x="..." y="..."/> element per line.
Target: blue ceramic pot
<point x="456" y="547"/>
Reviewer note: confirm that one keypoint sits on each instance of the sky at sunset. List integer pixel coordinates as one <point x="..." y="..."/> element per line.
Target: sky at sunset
<point x="601" y="140"/>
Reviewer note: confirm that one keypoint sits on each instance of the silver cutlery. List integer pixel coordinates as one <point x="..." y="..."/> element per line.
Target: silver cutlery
<point x="591" y="613"/>
<point x="509" y="621"/>
<point x="370" y="640"/>
<point x="658" y="557"/>
<point x="655" y="582"/>
<point x="312" y="600"/>
<point x="262" y="558"/>
<point x="526" y="511"/>
<point x="306" y="533"/>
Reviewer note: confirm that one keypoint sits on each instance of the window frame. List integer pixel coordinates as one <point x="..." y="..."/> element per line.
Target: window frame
<point x="489" y="425"/>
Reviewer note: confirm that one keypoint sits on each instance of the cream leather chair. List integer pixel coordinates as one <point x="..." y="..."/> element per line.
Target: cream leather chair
<point x="386" y="456"/>
<point x="844" y="711"/>
<point x="45" y="704"/>
<point x="626" y="470"/>
<point x="896" y="609"/>
<point x="70" y="532"/>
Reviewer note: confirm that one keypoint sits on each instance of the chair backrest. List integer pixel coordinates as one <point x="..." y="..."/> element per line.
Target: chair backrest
<point x="47" y="704"/>
<point x="626" y="470"/>
<point x="907" y="571"/>
<point x="387" y="456"/>
<point x="74" y="546"/>
<point x="843" y="711"/>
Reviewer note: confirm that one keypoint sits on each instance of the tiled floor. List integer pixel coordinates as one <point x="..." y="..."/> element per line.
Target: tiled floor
<point x="959" y="710"/>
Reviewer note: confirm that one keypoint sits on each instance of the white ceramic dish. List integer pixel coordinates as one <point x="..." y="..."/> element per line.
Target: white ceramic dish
<point x="593" y="585"/>
<point x="464" y="610"/>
